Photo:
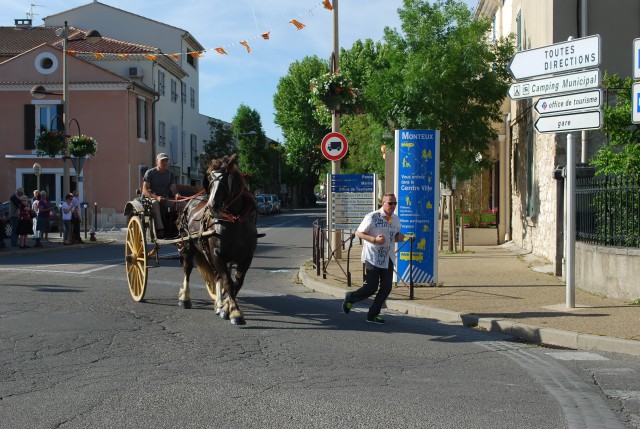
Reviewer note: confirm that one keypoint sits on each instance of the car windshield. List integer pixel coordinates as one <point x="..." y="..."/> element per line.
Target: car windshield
<point x="260" y="199"/>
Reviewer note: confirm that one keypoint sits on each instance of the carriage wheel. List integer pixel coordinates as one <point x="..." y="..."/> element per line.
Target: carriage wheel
<point x="136" y="259"/>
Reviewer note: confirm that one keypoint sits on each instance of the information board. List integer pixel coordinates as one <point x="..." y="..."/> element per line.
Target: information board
<point x="417" y="179"/>
<point x="351" y="197"/>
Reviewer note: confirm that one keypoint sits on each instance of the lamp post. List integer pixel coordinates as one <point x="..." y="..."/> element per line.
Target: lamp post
<point x="40" y="91"/>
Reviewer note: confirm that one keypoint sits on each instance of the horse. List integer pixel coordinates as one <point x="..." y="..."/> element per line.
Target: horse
<point x="222" y="232"/>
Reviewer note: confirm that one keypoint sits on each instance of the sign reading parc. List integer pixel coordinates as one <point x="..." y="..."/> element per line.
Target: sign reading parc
<point x="417" y="160"/>
<point x="562" y="57"/>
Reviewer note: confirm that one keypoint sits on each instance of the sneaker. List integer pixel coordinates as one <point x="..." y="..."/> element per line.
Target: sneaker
<point x="346" y="304"/>
<point x="377" y="320"/>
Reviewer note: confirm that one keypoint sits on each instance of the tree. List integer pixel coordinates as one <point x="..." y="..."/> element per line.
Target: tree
<point x="301" y="131"/>
<point x="252" y="148"/>
<point x="444" y="74"/>
<point x="621" y="157"/>
<point x="220" y="143"/>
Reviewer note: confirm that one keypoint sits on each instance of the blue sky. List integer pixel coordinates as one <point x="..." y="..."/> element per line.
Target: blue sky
<point x="226" y="81"/>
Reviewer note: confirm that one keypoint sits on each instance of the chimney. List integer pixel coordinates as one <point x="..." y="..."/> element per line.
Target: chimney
<point x="22" y="23"/>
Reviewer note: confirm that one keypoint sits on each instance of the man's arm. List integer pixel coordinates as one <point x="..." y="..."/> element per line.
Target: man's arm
<point x="146" y="191"/>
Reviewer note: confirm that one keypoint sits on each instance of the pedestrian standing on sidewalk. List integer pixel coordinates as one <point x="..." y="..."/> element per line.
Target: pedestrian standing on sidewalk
<point x="67" y="213"/>
<point x="13" y="215"/>
<point x="379" y="231"/>
<point x="76" y="219"/>
<point x="25" y="225"/>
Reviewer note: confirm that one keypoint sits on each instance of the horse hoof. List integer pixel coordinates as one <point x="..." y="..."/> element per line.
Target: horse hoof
<point x="224" y="315"/>
<point x="238" y="321"/>
<point x="217" y="311"/>
<point x="184" y="304"/>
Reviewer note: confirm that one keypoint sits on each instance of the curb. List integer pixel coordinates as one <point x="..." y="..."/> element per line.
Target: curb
<point x="529" y="333"/>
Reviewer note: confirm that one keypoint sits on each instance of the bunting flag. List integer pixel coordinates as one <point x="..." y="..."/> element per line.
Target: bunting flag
<point x="298" y="24"/>
<point x="327" y="4"/>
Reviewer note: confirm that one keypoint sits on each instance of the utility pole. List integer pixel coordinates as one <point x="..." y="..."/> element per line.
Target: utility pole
<point x="336" y="237"/>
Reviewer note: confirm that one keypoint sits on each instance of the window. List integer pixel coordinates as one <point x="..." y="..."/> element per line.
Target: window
<point x="141" y="116"/>
<point x="183" y="92"/>
<point x="40" y="117"/>
<point x="160" y="82"/>
<point x="162" y="133"/>
<point x="191" y="59"/>
<point x="194" y="150"/>
<point x="45" y="115"/>
<point x="519" y="31"/>
<point x="193" y="98"/>
<point x="174" y="90"/>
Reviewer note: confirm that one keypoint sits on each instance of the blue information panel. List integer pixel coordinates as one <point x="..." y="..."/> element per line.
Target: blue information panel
<point x="417" y="159"/>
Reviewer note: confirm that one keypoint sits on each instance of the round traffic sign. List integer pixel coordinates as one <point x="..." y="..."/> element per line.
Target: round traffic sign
<point x="334" y="146"/>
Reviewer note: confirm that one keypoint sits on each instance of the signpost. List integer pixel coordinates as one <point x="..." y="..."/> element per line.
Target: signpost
<point x="555" y="85"/>
<point x="569" y="122"/>
<point x="636" y="58"/>
<point x="558" y="58"/>
<point x="566" y="103"/>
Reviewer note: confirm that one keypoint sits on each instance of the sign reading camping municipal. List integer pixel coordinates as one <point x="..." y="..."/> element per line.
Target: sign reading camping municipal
<point x="417" y="160"/>
<point x="561" y="57"/>
<point x="555" y="85"/>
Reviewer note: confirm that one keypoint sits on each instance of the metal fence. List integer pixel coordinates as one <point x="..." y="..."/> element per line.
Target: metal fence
<point x="608" y="211"/>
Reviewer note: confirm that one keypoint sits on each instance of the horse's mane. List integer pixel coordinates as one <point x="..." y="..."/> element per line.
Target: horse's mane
<point x="228" y="164"/>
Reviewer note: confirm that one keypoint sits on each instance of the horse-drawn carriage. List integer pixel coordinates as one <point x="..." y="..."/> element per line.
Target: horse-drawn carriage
<point x="216" y="231"/>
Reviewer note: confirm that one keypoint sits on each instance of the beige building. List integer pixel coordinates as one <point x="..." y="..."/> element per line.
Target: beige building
<point x="529" y="192"/>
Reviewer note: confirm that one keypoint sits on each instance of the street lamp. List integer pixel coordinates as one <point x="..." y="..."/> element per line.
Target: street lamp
<point x="40" y="91"/>
<point x="238" y="134"/>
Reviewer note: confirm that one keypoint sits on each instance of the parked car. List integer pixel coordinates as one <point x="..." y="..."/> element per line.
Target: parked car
<point x="4" y="217"/>
<point x="274" y="201"/>
<point x="264" y="206"/>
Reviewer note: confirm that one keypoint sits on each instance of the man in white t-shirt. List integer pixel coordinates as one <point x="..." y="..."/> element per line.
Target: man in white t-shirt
<point x="379" y="230"/>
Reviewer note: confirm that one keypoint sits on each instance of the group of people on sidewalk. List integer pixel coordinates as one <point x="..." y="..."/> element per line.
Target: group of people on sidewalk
<point x="31" y="217"/>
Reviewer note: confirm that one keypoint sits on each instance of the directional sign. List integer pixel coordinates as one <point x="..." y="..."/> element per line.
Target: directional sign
<point x="635" y="109"/>
<point x="636" y="59"/>
<point x="334" y="146"/>
<point x="558" y="58"/>
<point x="569" y="122"/>
<point x="566" y="103"/>
<point x="555" y="85"/>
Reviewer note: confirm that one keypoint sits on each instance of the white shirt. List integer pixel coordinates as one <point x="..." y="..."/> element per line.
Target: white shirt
<point x="373" y="224"/>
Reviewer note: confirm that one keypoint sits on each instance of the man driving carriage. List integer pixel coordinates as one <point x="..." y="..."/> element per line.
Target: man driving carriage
<point x="159" y="184"/>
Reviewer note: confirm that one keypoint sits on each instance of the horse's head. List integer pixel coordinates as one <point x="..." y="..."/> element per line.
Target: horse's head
<point x="225" y="183"/>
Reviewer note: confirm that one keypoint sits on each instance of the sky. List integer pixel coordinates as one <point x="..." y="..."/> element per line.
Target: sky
<point x="227" y="81"/>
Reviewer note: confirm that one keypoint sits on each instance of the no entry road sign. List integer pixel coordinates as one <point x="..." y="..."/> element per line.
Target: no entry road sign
<point x="334" y="146"/>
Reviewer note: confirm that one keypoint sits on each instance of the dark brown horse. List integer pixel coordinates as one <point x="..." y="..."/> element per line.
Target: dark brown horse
<point x="223" y="234"/>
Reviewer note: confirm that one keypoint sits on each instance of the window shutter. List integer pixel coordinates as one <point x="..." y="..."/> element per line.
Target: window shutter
<point x="29" y="127"/>
<point x="60" y="119"/>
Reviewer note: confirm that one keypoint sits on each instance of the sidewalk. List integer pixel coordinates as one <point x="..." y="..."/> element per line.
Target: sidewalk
<point x="502" y="289"/>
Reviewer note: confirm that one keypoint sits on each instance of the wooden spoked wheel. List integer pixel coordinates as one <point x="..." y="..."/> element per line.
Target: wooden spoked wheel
<point x="136" y="259"/>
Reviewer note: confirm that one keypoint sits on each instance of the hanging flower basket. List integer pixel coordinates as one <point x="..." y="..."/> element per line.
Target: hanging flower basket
<point x="81" y="146"/>
<point x="49" y="143"/>
<point x="331" y="90"/>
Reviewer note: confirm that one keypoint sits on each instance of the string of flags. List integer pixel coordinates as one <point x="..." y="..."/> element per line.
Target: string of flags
<point x="222" y="50"/>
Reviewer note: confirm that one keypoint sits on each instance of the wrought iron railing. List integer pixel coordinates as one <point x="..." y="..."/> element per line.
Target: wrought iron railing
<point x="608" y="211"/>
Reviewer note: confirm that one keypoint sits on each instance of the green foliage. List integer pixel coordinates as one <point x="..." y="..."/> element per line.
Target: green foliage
<point x="444" y="74"/>
<point x="621" y="157"/>
<point x="252" y="149"/>
<point x="220" y="143"/>
<point x="50" y="143"/>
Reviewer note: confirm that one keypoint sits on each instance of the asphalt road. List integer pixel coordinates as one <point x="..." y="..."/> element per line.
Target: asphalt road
<point x="77" y="352"/>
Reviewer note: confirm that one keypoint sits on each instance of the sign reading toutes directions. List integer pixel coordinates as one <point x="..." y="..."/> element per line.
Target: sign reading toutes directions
<point x="565" y="103"/>
<point x="558" y="58"/>
<point x="569" y="122"/>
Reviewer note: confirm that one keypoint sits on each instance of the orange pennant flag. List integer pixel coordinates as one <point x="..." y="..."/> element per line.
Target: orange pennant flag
<point x="151" y="57"/>
<point x="298" y="24"/>
<point x="70" y="52"/>
<point x="246" y="45"/>
<point x="327" y="4"/>
<point x="221" y="51"/>
<point x="265" y="36"/>
<point x="123" y="56"/>
<point x="174" y="56"/>
<point x="97" y="55"/>
<point x="196" y="54"/>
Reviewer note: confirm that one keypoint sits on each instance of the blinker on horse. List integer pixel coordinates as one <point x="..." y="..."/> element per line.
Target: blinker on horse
<point x="231" y="213"/>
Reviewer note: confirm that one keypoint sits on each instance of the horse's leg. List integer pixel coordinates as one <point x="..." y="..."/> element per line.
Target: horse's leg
<point x="184" y="299"/>
<point x="211" y="278"/>
<point x="231" y="308"/>
<point x="219" y="303"/>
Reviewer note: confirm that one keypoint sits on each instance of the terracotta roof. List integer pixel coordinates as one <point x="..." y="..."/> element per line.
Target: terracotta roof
<point x="16" y="40"/>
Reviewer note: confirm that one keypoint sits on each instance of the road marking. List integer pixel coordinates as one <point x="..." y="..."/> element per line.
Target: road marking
<point x="576" y="356"/>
